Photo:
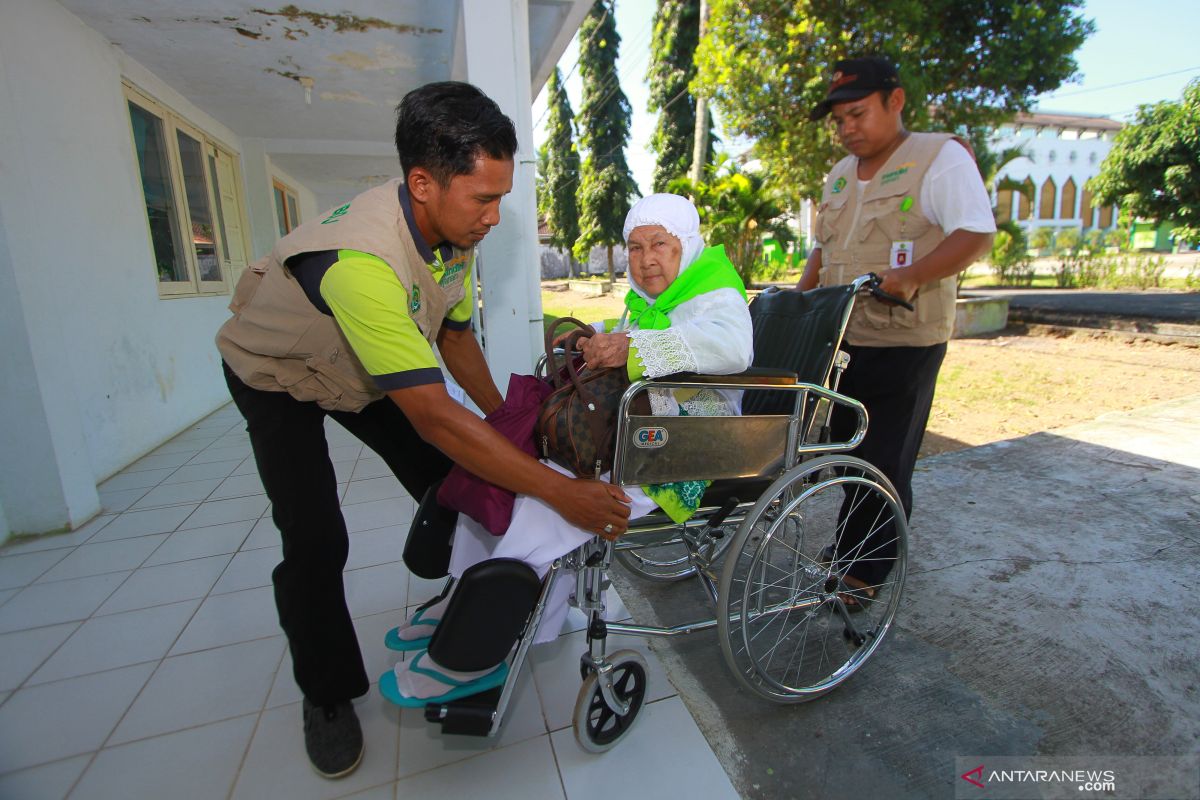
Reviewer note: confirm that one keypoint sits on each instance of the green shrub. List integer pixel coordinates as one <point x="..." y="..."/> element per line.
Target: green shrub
<point x="768" y="270"/>
<point x="1070" y="270"/>
<point x="1041" y="239"/>
<point x="1143" y="272"/>
<point x="1067" y="241"/>
<point x="1010" y="258"/>
<point x="1067" y="246"/>
<point x="1191" y="281"/>
<point x="1117" y="238"/>
<point x="1104" y="271"/>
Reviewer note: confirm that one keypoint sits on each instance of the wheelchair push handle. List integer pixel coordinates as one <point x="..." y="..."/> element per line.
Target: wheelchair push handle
<point x="872" y="286"/>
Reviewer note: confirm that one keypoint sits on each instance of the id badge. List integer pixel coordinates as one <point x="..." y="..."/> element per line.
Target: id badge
<point x="902" y="254"/>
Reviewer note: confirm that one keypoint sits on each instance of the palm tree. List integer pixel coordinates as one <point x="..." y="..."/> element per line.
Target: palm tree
<point x="990" y="163"/>
<point x="737" y="209"/>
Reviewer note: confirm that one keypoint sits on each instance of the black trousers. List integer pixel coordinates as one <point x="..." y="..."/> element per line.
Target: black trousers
<point x="288" y="437"/>
<point x="896" y="385"/>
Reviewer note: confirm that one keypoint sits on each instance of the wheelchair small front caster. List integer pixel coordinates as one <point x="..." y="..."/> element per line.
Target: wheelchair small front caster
<point x="597" y="725"/>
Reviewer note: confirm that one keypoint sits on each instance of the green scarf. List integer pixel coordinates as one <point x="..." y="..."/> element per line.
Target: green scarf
<point x="709" y="272"/>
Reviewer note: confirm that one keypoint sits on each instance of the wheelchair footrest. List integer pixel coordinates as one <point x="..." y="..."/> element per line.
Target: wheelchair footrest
<point x="469" y="716"/>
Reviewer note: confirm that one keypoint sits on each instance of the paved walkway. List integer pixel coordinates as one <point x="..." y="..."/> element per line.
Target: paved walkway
<point x="140" y="657"/>
<point x="1051" y="610"/>
<point x="1180" y="307"/>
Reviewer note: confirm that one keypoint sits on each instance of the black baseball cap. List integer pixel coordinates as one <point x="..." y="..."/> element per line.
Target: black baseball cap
<point x="855" y="78"/>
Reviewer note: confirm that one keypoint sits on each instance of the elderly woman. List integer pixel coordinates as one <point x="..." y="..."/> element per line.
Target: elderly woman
<point x="685" y="312"/>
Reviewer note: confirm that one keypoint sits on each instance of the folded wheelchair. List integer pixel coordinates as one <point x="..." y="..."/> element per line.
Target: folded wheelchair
<point x="772" y="544"/>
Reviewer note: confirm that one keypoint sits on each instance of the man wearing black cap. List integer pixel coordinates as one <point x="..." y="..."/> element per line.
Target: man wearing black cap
<point x="912" y="208"/>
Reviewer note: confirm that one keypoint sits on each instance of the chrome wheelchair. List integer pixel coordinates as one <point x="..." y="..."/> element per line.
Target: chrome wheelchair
<point x="786" y="524"/>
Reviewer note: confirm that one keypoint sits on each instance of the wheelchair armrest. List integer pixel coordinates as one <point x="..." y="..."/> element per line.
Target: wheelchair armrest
<point x="754" y="375"/>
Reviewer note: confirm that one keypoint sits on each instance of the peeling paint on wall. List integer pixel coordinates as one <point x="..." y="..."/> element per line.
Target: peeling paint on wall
<point x="348" y="97"/>
<point x="339" y="23"/>
<point x="291" y="71"/>
<point x="386" y="58"/>
<point x="342" y="23"/>
<point x="291" y="76"/>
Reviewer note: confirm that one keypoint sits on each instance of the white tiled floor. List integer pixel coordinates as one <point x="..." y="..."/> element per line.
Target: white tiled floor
<point x="141" y="657"/>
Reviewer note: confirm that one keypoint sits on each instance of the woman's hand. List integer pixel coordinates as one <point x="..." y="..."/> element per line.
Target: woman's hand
<point x="605" y="350"/>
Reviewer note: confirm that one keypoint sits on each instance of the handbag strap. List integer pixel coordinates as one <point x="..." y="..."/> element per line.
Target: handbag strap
<point x="573" y="371"/>
<point x="583" y="329"/>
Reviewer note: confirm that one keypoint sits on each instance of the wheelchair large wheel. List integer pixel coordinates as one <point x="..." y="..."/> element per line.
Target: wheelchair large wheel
<point x="597" y="727"/>
<point x="792" y="627"/>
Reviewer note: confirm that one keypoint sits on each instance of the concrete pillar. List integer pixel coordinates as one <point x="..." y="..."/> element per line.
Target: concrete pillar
<point x="496" y="46"/>
<point x="5" y="529"/>
<point x="260" y="203"/>
<point x="46" y="478"/>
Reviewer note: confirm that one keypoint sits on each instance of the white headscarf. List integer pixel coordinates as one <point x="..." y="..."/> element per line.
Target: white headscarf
<point x="678" y="216"/>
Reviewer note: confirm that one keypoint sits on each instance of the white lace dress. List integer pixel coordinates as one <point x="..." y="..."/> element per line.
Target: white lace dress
<point x="710" y="334"/>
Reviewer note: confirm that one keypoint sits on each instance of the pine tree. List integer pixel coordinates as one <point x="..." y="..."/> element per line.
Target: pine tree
<point x="560" y="180"/>
<point x="606" y="184"/>
<point x="672" y="68"/>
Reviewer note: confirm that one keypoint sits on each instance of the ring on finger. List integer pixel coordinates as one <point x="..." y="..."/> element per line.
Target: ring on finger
<point x="608" y="528"/>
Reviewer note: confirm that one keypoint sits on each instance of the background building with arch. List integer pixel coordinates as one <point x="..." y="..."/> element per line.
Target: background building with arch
<point x="1061" y="152"/>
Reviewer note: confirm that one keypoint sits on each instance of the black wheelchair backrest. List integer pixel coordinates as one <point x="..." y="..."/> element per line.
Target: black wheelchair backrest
<point x="797" y="331"/>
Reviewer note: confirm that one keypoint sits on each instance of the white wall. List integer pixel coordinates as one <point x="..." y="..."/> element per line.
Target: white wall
<point x="258" y="171"/>
<point x="97" y="368"/>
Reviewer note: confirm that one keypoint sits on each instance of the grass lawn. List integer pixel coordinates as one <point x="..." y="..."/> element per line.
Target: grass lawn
<point x="587" y="308"/>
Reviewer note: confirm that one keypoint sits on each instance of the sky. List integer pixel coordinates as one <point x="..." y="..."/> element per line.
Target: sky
<point x="1140" y="53"/>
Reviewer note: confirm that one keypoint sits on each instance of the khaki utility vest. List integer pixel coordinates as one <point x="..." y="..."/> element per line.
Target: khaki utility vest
<point x="278" y="341"/>
<point x="880" y="221"/>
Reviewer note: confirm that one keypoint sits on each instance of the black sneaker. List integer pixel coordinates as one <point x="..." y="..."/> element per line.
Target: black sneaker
<point x="333" y="738"/>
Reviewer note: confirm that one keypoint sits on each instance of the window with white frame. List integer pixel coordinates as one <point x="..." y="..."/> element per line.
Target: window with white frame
<point x="194" y="206"/>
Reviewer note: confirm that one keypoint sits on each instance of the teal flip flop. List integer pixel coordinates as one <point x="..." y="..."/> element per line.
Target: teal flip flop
<point x="391" y="691"/>
<point x="392" y="640"/>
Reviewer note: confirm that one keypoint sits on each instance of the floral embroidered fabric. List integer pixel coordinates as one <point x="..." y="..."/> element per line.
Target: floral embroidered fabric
<point x="663" y="352"/>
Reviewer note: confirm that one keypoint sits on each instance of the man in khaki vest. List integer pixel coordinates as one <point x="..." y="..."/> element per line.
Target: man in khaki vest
<point x="912" y="208"/>
<point x="340" y="320"/>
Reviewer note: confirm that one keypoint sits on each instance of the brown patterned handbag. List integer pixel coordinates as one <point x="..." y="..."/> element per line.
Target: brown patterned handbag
<point x="577" y="425"/>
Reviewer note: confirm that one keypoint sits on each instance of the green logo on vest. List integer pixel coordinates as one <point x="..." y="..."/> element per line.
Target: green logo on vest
<point x="895" y="174"/>
<point x="337" y="214"/>
<point x="839" y="184"/>
<point x="415" y="304"/>
<point x="453" y="270"/>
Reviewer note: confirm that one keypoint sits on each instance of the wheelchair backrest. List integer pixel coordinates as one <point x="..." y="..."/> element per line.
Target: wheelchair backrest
<point x="797" y="331"/>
